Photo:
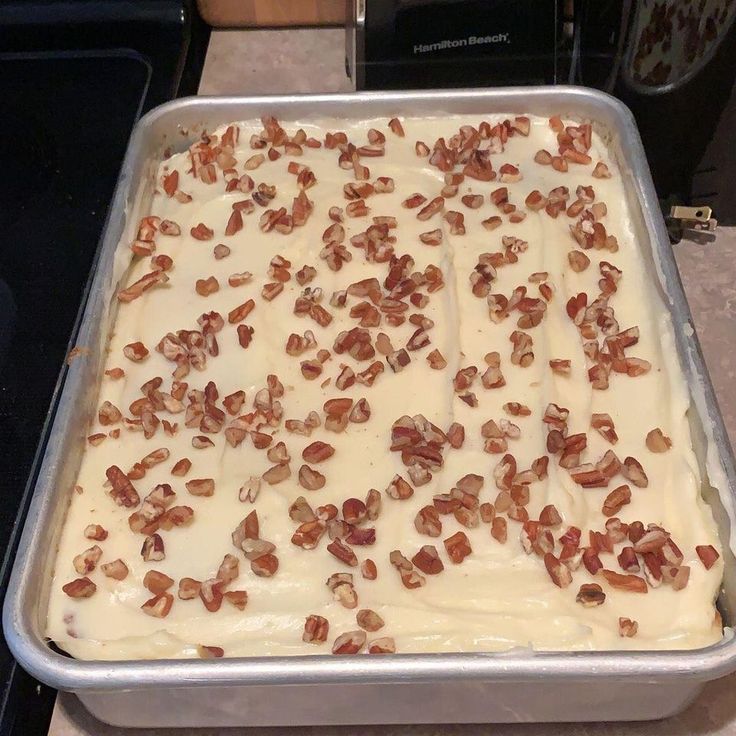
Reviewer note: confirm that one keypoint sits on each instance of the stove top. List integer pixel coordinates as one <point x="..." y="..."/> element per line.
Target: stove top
<point x="64" y="151"/>
<point x="68" y="110"/>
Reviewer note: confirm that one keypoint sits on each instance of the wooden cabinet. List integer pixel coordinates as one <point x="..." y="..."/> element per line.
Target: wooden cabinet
<point x="260" y="13"/>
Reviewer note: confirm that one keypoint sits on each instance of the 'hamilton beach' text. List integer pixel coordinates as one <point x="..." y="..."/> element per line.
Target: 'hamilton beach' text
<point x="452" y="43"/>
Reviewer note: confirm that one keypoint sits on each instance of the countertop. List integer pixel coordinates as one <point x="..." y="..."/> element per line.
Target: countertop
<point x="311" y="60"/>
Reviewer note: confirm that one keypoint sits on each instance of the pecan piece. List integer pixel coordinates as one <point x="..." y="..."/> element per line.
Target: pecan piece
<point x="153" y="548"/>
<point x="144" y="283"/>
<point x="353" y="511"/>
<point x="657" y="441"/>
<point x="369" y="620"/>
<point x="632" y="470"/>
<point x="350" y="642"/>
<point x="86" y="561"/>
<point x="578" y="260"/>
<point x="373" y="504"/>
<point x="96" y="532"/>
<point x="630" y="583"/>
<point x="301" y="511"/>
<point x="237" y="598"/>
<point x="499" y="529"/>
<point x="707" y="554"/>
<point x="209" y="652"/>
<point x="432" y="208"/>
<point x="265" y="566"/>
<point x="117" y="570"/>
<point x="158" y="606"/>
<point x="368" y="569"/>
<point x="398" y="360"/>
<point x="604" y="426"/>
<point x="135" y="351"/>
<point x="339" y="549"/>
<point x="427" y="559"/>
<point x="201" y="486"/>
<point x="458" y="547"/>
<point x="616" y="500"/>
<point x="590" y="595"/>
<point x="189" y="589"/>
<point x="436" y="360"/>
<point x="311" y="479"/>
<point x="123" y="492"/>
<point x="157" y="582"/>
<point x="427" y="521"/>
<point x="317" y="452"/>
<point x="220" y="251"/>
<point x="79" y="588"/>
<point x="277" y="473"/>
<point x="384" y="645"/>
<point x="316" y="629"/>
<point x="308" y="534"/>
<point x="559" y="572"/>
<point x="399" y="489"/>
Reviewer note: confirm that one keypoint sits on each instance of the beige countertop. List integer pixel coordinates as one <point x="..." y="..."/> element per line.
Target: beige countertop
<point x="311" y="60"/>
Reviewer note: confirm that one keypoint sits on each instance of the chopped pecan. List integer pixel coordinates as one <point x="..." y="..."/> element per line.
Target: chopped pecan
<point x="79" y="588"/>
<point x="708" y="555"/>
<point x="604" y="425"/>
<point x="559" y="572"/>
<point x="427" y="559"/>
<point x="633" y="472"/>
<point x="265" y="566"/>
<point x="369" y="620"/>
<point x="427" y="521"/>
<point x="158" y="606"/>
<point x="310" y="479"/>
<point x="317" y="452"/>
<point x="123" y="492"/>
<point x="350" y="642"/>
<point x="384" y="645"/>
<point x="96" y="532"/>
<point x="630" y="583"/>
<point x="189" y="589"/>
<point x="339" y="549"/>
<point x="590" y="595"/>
<point x="157" y="582"/>
<point x="458" y="547"/>
<point x="201" y="486"/>
<point x="86" y="561"/>
<point x="368" y="569"/>
<point x="657" y="441"/>
<point x="399" y="489"/>
<point x="316" y="629"/>
<point x="117" y="569"/>
<point x="616" y="500"/>
<point x="153" y="548"/>
<point x="308" y="534"/>
<point x="277" y="473"/>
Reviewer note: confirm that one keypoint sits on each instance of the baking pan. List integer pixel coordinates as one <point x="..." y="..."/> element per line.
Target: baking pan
<point x="519" y="685"/>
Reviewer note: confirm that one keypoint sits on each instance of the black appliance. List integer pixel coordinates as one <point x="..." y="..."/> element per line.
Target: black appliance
<point x="75" y="75"/>
<point x="673" y="62"/>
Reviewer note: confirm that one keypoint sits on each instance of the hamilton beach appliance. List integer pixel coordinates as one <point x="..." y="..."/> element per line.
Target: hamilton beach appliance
<point x="673" y="62"/>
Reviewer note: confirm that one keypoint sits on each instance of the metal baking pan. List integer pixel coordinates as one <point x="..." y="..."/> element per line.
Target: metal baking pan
<point x="520" y="685"/>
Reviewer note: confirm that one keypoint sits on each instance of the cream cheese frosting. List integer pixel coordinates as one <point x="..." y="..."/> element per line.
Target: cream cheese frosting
<point x="499" y="596"/>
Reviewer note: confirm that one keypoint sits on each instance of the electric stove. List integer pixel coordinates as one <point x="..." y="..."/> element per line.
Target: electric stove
<point x="75" y="75"/>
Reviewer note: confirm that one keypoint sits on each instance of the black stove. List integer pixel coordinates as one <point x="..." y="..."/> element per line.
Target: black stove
<point x="75" y="75"/>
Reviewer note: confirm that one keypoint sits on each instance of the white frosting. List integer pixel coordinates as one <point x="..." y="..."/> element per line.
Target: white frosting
<point x="499" y="597"/>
